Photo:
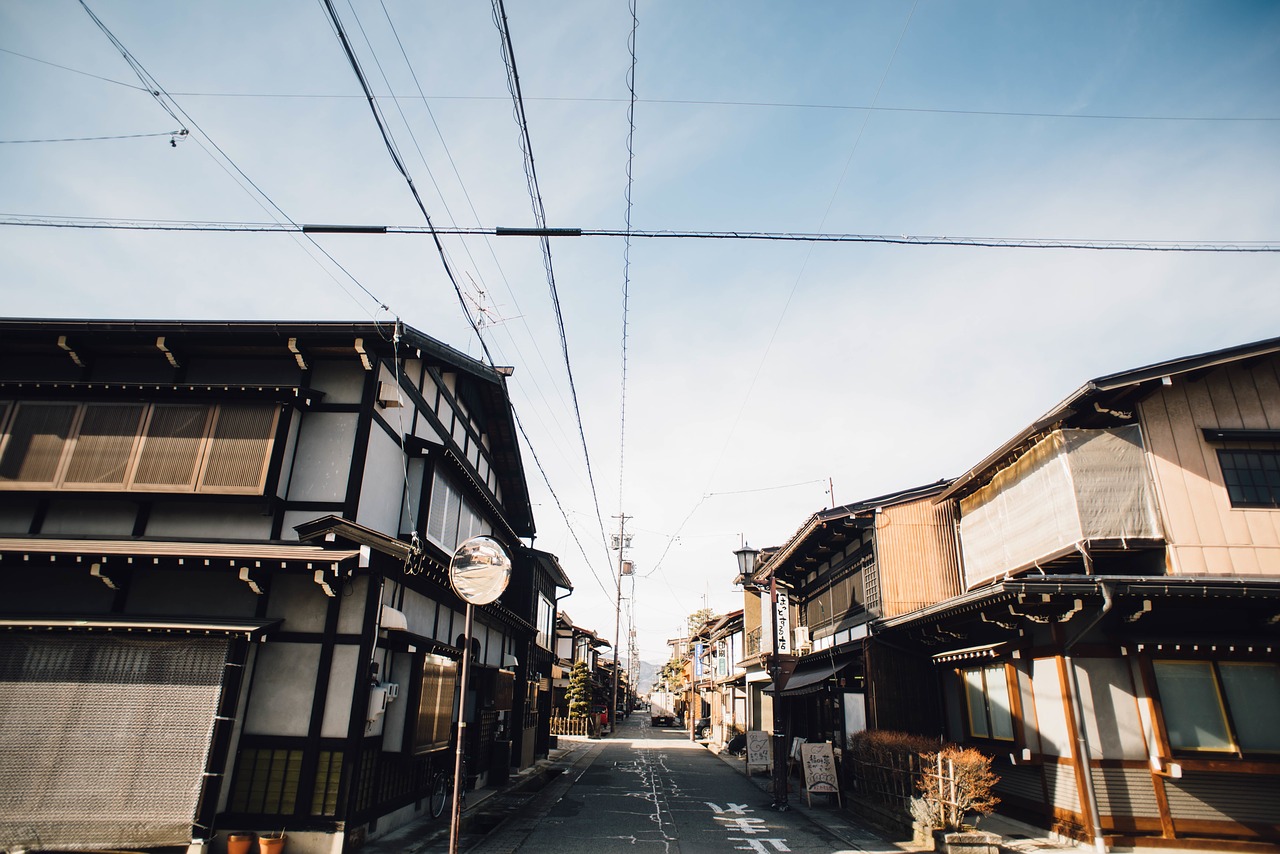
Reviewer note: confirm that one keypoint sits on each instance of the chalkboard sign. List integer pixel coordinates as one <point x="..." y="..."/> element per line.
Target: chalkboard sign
<point x="757" y="749"/>
<point x="819" y="771"/>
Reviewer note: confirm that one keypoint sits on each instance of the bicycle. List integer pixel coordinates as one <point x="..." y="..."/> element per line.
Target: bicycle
<point x="440" y="792"/>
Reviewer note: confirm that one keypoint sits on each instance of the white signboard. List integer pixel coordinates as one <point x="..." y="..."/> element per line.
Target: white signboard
<point x="782" y="619"/>
<point x="819" y="765"/>
<point x="757" y="749"/>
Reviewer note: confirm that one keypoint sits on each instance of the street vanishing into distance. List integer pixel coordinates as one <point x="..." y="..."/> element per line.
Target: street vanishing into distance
<point x="649" y="789"/>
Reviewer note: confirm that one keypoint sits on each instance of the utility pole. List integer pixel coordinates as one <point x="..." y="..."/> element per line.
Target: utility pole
<point x="621" y="545"/>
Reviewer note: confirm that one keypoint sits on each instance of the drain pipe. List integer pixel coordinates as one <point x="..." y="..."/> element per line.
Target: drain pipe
<point x="1077" y="702"/>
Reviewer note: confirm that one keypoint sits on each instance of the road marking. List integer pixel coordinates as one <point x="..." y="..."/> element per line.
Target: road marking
<point x="758" y="844"/>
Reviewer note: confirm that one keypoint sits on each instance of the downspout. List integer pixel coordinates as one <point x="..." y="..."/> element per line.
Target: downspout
<point x="1077" y="702"/>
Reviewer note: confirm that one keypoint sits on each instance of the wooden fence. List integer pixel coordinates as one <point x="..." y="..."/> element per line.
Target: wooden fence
<point x="893" y="780"/>
<point x="588" y="726"/>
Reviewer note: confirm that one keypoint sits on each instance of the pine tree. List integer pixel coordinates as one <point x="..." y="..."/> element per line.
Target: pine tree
<point x="579" y="694"/>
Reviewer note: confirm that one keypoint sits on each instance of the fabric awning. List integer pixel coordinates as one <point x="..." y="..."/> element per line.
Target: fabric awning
<point x="809" y="678"/>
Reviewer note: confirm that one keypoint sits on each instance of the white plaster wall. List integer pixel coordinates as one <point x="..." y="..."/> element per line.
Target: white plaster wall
<point x="284" y="678"/>
<point x="382" y="491"/>
<point x="290" y="445"/>
<point x="351" y="610"/>
<point x="90" y="518"/>
<point x="410" y="510"/>
<point x="341" y="381"/>
<point x="400" y="671"/>
<point x="450" y="625"/>
<point x="1110" y="709"/>
<point x="298" y="600"/>
<point x="208" y="521"/>
<point x="419" y="613"/>
<point x="337" y="701"/>
<point x="1051" y="715"/>
<point x="326" y="442"/>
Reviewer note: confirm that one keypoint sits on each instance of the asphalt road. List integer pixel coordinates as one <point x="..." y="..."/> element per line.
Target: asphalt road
<point x="647" y="789"/>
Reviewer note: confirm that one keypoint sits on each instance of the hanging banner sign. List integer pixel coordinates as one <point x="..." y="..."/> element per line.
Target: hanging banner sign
<point x="697" y="660"/>
<point x="782" y="623"/>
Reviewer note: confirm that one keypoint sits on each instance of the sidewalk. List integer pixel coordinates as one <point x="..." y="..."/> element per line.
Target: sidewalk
<point x="1016" y="837"/>
<point x="426" y="834"/>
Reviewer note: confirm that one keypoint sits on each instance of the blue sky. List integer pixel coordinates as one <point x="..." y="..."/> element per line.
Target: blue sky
<point x="757" y="372"/>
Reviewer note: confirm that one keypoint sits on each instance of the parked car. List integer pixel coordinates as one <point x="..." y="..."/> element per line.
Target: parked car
<point x="702" y="728"/>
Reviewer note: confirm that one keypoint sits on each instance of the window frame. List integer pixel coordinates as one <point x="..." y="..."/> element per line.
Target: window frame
<point x="205" y="442"/>
<point x="1011" y="691"/>
<point x="1234" y="749"/>
<point x="1233" y="489"/>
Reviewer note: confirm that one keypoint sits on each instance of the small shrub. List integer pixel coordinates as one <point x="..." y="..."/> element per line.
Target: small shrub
<point x="964" y="785"/>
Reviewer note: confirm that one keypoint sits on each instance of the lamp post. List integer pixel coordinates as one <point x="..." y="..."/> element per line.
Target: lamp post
<point x="777" y="661"/>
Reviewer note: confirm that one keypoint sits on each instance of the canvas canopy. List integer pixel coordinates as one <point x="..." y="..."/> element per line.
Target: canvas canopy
<point x="1072" y="487"/>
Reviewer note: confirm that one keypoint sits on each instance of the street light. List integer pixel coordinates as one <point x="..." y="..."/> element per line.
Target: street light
<point x="779" y="661"/>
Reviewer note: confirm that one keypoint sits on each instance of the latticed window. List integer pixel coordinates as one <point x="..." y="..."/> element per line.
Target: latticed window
<point x="987" y="697"/>
<point x="451" y="519"/>
<point x="1252" y="477"/>
<point x="157" y="447"/>
<point x="435" y="703"/>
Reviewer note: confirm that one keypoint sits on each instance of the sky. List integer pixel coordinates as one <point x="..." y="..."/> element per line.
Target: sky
<point x="764" y="380"/>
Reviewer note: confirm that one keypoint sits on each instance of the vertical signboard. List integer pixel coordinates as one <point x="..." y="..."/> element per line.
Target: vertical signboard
<point x="697" y="660"/>
<point x="782" y="620"/>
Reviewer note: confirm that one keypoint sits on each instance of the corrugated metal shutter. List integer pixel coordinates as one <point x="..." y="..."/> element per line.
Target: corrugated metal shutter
<point x="104" y="738"/>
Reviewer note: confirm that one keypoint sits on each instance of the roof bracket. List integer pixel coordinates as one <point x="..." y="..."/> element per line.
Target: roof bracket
<point x="297" y="354"/>
<point x="62" y="342"/>
<point x="1138" y="614"/>
<point x="328" y="579"/>
<point x="96" y="571"/>
<point x="168" y="354"/>
<point x="255" y="584"/>
<point x="364" y="356"/>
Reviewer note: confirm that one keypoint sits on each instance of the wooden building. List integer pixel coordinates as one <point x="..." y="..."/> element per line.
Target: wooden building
<point x="845" y="570"/>
<point x="224" y="553"/>
<point x="1116" y="646"/>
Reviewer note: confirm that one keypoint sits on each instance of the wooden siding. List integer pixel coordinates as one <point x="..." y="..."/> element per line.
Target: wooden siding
<point x="1206" y="535"/>
<point x="1127" y="792"/>
<point x="1060" y="783"/>
<point x="1239" y="798"/>
<point x="916" y="558"/>
<point x="1024" y="783"/>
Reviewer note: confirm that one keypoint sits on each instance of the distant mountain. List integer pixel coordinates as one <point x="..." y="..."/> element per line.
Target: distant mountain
<point x="648" y="673"/>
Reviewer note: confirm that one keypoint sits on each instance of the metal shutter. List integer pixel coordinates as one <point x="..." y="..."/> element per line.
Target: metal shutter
<point x="104" y="738"/>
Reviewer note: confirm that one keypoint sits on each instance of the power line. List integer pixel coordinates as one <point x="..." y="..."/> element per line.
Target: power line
<point x="174" y="136"/>
<point x="1090" y="243"/>
<point x="167" y="102"/>
<point x="540" y="217"/>
<point x="626" y="259"/>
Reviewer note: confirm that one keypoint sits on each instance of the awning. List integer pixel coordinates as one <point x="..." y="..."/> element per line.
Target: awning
<point x="251" y="629"/>
<point x="198" y="553"/>
<point x="809" y="679"/>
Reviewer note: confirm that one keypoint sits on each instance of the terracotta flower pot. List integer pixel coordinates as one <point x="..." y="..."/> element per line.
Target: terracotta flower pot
<point x="270" y="844"/>
<point x="239" y="843"/>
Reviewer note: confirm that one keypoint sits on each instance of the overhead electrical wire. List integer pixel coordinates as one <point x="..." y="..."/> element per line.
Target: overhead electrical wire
<point x="540" y="217"/>
<point x="166" y="101"/>
<point x="174" y="135"/>
<point x="794" y="105"/>
<point x="392" y="150"/>
<point x="626" y="258"/>
<point x="989" y="242"/>
<point x="768" y="347"/>
<point x="426" y="104"/>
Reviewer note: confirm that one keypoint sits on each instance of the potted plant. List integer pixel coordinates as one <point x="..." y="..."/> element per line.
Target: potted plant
<point x="271" y="843"/>
<point x="239" y="843"/>
<point x="956" y="781"/>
